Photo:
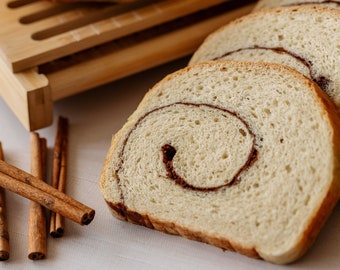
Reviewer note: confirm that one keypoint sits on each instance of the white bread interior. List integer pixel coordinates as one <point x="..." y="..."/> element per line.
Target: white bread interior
<point x="215" y="114"/>
<point x="309" y="35"/>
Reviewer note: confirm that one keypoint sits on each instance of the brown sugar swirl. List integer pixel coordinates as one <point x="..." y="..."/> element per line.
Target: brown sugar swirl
<point x="198" y="146"/>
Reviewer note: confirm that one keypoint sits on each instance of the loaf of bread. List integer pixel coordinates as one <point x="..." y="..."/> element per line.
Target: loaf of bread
<point x="243" y="156"/>
<point x="267" y="4"/>
<point x="303" y="37"/>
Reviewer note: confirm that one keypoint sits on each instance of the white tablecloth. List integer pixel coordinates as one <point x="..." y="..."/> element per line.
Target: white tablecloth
<point x="108" y="243"/>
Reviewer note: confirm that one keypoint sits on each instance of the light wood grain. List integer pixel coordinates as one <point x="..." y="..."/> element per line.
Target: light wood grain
<point x="28" y="95"/>
<point x="31" y="93"/>
<point x="136" y="57"/>
<point x="80" y="28"/>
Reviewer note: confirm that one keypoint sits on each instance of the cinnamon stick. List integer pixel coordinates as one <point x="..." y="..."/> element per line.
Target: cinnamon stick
<point x="37" y="215"/>
<point x="55" y="174"/>
<point x="4" y="235"/>
<point x="59" y="173"/>
<point x="33" y="188"/>
<point x="59" y="219"/>
<point x="43" y="151"/>
<point x="57" y="150"/>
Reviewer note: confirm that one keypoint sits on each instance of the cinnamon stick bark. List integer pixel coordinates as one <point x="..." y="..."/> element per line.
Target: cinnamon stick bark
<point x="4" y="235"/>
<point x="59" y="173"/>
<point x="57" y="150"/>
<point x="37" y="214"/>
<point x="59" y="219"/>
<point x="33" y="188"/>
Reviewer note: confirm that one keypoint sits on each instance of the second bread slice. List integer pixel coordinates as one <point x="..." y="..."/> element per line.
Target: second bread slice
<point x="305" y="38"/>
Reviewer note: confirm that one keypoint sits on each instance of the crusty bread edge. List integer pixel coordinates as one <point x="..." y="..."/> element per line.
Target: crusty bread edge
<point x="121" y="212"/>
<point x="260" y="5"/>
<point x="307" y="238"/>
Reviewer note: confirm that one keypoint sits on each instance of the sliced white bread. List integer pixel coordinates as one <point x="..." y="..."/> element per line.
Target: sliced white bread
<point x="267" y="4"/>
<point x="243" y="156"/>
<point x="306" y="38"/>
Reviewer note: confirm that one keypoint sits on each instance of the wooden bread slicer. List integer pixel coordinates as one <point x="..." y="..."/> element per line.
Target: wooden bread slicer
<point x="47" y="47"/>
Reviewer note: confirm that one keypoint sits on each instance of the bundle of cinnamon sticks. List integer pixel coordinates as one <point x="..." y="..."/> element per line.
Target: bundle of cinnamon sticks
<point x="42" y="195"/>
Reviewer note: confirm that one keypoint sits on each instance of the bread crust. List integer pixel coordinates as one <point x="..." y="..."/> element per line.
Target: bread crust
<point x="309" y="236"/>
<point x="333" y="12"/>
<point x="121" y="212"/>
<point x="267" y="4"/>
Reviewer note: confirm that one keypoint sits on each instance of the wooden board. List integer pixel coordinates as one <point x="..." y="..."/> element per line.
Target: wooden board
<point x="30" y="93"/>
<point x="50" y="31"/>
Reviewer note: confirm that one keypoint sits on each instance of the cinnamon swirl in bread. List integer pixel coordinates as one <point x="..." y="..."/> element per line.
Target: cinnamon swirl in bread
<point x="243" y="156"/>
<point x="305" y="38"/>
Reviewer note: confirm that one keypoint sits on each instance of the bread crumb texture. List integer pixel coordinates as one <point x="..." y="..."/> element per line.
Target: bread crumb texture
<point x="305" y="38"/>
<point x="215" y="116"/>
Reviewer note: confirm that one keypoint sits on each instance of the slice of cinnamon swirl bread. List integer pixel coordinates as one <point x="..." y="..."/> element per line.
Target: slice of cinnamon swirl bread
<point x="267" y="4"/>
<point x="243" y="156"/>
<point x="306" y="38"/>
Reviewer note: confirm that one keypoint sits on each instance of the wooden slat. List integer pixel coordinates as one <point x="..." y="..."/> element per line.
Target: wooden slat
<point x="128" y="60"/>
<point x="36" y="52"/>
